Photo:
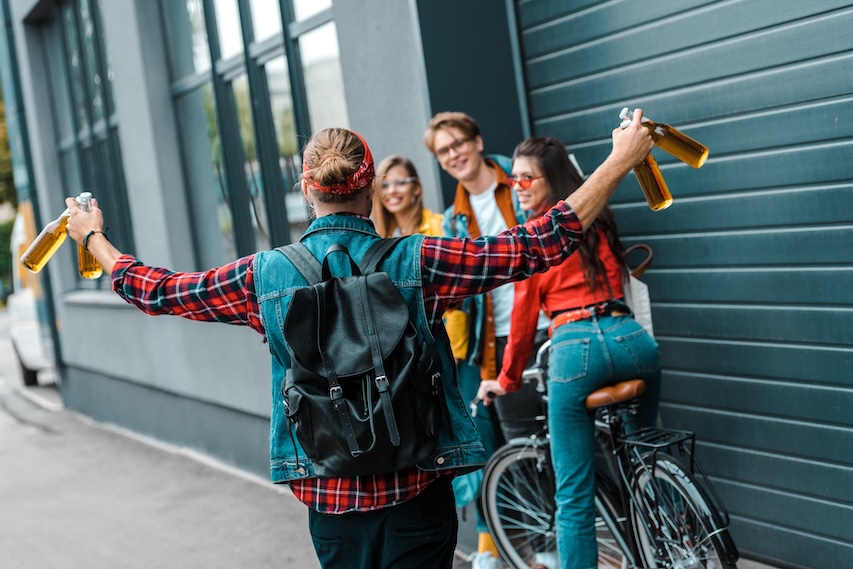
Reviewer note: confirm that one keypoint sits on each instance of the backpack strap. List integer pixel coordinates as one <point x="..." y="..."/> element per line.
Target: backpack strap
<point x="376" y="253"/>
<point x="309" y="267"/>
<point x="368" y="265"/>
<point x="383" y="386"/>
<point x="336" y="393"/>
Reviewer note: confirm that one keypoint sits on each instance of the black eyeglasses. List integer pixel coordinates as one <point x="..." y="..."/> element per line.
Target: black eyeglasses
<point x="456" y="145"/>
<point x="398" y="183"/>
<point x="524" y="181"/>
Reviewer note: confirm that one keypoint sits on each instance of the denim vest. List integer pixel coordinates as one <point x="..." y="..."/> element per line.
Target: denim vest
<point x="458" y="446"/>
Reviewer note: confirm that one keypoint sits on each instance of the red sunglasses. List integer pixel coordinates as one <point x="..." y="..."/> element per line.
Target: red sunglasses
<point x="525" y="181"/>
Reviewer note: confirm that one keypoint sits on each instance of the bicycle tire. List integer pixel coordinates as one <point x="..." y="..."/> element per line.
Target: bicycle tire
<point x="679" y="528"/>
<point x="518" y="507"/>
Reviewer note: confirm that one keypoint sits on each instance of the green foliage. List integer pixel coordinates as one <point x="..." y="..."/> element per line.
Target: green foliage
<point x="5" y="258"/>
<point x="7" y="183"/>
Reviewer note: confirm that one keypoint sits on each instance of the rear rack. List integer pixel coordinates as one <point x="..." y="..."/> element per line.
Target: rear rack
<point x="680" y="443"/>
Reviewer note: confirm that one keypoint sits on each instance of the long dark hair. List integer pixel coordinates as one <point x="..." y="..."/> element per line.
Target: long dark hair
<point x="552" y="156"/>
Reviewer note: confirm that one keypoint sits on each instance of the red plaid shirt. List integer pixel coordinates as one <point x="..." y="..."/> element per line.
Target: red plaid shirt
<point x="452" y="269"/>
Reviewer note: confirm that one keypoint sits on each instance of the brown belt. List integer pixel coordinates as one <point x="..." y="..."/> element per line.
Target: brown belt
<point x="610" y="308"/>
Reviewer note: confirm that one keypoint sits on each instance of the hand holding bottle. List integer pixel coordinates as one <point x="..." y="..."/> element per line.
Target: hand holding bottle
<point x="82" y="222"/>
<point x="87" y="229"/>
<point x="87" y="264"/>
<point x="631" y="144"/>
<point x="671" y="140"/>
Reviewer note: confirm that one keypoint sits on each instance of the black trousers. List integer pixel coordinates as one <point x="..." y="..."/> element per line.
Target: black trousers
<point x="418" y="534"/>
<point x="517" y="410"/>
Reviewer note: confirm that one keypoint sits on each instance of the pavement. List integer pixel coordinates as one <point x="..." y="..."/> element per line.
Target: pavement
<point x="77" y="494"/>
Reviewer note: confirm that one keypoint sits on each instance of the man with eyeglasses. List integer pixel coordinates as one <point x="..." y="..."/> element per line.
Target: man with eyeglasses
<point x="485" y="204"/>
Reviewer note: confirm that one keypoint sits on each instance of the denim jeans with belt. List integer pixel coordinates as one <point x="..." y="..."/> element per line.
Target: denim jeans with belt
<point x="587" y="355"/>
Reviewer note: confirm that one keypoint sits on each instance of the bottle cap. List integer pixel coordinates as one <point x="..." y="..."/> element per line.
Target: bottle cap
<point x="626" y="115"/>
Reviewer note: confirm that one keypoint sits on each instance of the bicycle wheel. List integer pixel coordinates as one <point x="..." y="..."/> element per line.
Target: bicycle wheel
<point x="677" y="529"/>
<point x="518" y="506"/>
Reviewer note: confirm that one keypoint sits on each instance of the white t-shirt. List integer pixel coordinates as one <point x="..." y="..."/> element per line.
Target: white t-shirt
<point x="491" y="222"/>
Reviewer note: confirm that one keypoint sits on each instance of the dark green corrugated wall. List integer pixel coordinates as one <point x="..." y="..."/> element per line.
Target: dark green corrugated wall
<point x="752" y="284"/>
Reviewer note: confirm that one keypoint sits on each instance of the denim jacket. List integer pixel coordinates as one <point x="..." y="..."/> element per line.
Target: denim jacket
<point x="458" y="446"/>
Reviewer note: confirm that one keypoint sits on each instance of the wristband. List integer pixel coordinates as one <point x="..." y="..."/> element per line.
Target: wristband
<point x="86" y="239"/>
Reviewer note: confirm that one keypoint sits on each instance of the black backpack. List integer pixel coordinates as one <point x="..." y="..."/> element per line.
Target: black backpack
<point x="363" y="393"/>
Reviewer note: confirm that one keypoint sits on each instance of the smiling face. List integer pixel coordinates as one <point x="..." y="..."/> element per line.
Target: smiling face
<point x="399" y="190"/>
<point x="458" y="154"/>
<point x="526" y="169"/>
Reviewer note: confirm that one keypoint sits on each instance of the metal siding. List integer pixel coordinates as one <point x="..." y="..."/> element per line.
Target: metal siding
<point x="752" y="282"/>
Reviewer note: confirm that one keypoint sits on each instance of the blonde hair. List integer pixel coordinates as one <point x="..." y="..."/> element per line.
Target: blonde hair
<point x="461" y="121"/>
<point x="385" y="221"/>
<point x="332" y="155"/>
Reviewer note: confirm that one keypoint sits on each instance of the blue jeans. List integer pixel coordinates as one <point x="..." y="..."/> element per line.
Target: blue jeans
<point x="587" y="355"/>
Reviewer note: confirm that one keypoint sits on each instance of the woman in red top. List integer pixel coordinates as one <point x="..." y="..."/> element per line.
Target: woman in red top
<point x="595" y="342"/>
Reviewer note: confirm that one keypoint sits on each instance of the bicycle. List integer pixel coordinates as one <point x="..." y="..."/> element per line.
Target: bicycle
<point x="651" y="510"/>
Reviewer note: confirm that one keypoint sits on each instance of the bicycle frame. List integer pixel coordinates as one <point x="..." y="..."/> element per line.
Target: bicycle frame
<point x="633" y="454"/>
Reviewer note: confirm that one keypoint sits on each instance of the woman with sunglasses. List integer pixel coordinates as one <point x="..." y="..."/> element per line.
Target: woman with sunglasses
<point x="400" y="210"/>
<point x="595" y="342"/>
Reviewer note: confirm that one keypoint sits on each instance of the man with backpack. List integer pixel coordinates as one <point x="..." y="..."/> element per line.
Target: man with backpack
<point x="404" y="514"/>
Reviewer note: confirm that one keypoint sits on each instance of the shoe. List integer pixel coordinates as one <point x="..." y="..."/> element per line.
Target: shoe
<point x="483" y="560"/>
<point x="546" y="560"/>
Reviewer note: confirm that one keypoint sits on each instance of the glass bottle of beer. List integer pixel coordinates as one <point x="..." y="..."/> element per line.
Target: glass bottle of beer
<point x="87" y="264"/>
<point x="672" y="140"/>
<point x="46" y="244"/>
<point x="652" y="183"/>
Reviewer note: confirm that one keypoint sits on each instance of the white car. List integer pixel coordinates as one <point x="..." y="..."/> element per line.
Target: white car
<point x="31" y="338"/>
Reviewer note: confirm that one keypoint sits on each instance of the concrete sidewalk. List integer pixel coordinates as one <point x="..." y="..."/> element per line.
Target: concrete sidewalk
<point x="76" y="494"/>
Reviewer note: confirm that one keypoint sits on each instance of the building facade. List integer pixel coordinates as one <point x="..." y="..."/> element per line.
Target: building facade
<point x="185" y="118"/>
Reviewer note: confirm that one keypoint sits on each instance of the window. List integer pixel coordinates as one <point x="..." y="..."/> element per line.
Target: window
<point x="88" y="149"/>
<point x="247" y="99"/>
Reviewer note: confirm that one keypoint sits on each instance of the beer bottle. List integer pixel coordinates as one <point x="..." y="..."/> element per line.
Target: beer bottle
<point x="672" y="140"/>
<point x="46" y="244"/>
<point x="652" y="183"/>
<point x="87" y="264"/>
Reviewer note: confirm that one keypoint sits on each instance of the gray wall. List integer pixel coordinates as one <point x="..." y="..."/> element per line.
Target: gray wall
<point x="410" y="59"/>
<point x="386" y="90"/>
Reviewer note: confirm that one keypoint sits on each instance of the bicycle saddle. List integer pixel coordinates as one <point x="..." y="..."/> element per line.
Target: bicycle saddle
<point x="613" y="394"/>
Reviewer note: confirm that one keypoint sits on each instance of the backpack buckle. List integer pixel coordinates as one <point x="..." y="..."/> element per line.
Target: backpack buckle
<point x="381" y="383"/>
<point x="435" y="382"/>
<point x="336" y="392"/>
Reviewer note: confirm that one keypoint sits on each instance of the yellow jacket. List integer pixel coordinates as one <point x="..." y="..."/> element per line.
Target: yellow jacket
<point x="456" y="321"/>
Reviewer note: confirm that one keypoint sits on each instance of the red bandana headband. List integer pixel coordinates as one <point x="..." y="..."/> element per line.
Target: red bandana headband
<point x="354" y="182"/>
